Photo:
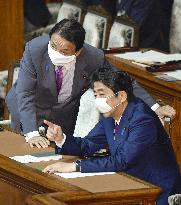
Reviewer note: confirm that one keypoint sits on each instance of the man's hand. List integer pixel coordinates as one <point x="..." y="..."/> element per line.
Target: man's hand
<point x="54" y="132"/>
<point x="165" y="110"/>
<point x="39" y="142"/>
<point x="60" y="167"/>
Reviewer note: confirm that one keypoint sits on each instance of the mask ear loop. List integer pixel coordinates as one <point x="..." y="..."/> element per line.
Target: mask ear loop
<point x="111" y="97"/>
<point x="116" y="105"/>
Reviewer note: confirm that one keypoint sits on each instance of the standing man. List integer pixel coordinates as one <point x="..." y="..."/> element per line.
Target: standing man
<point x="54" y="73"/>
<point x="136" y="139"/>
<point x="153" y="18"/>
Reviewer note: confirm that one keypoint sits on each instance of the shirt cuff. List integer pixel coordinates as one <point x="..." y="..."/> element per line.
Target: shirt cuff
<point x="30" y="135"/>
<point x="155" y="106"/>
<point x="62" y="143"/>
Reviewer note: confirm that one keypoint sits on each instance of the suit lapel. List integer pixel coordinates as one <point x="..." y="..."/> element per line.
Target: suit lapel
<point x="109" y="129"/>
<point x="123" y="129"/>
<point x="80" y="75"/>
<point x="48" y="70"/>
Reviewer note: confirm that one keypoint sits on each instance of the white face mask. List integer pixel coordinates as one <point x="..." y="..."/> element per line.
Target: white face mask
<point x="102" y="105"/>
<point x="59" y="59"/>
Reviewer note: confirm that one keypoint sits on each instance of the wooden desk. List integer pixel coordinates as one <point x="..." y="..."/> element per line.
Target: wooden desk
<point x="20" y="183"/>
<point x="168" y="92"/>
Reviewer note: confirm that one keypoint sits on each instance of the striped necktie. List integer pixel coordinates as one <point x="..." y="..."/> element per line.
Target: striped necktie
<point x="116" y="127"/>
<point x="59" y="77"/>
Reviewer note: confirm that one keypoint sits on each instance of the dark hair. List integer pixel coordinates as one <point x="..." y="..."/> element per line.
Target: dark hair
<point x="71" y="30"/>
<point x="114" y="79"/>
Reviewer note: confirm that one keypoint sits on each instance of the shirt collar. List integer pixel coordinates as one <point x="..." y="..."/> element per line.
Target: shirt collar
<point x="118" y="121"/>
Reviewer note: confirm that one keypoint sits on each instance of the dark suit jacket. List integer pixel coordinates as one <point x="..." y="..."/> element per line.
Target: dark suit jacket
<point x="34" y="96"/>
<point x="153" y="18"/>
<point x="37" y="12"/>
<point x="141" y="148"/>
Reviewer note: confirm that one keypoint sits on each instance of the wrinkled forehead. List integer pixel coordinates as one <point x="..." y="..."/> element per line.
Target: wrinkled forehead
<point x="61" y="43"/>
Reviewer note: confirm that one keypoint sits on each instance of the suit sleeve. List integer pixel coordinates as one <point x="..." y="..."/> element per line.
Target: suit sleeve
<point x="142" y="93"/>
<point x="141" y="135"/>
<point x="87" y="146"/>
<point x="25" y="92"/>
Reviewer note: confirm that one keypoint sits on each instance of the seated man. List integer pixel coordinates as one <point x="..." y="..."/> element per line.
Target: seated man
<point x="137" y="141"/>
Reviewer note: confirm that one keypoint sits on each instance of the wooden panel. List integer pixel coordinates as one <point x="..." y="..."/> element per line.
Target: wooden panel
<point x="8" y="190"/>
<point x="12" y="32"/>
<point x="114" y="198"/>
<point x="19" y="182"/>
<point x="168" y="92"/>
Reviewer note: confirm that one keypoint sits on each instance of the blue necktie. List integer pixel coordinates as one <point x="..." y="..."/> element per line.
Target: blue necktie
<point x="59" y="77"/>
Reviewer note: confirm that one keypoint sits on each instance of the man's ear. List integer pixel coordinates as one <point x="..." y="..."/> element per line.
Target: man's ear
<point x="122" y="96"/>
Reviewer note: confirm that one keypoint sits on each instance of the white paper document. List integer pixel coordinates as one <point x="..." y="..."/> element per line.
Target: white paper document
<point x="79" y="174"/>
<point x="30" y="158"/>
<point x="149" y="57"/>
<point x="175" y="74"/>
<point x="140" y="64"/>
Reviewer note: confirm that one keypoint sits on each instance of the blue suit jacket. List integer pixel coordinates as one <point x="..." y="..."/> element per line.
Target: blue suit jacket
<point x="141" y="148"/>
